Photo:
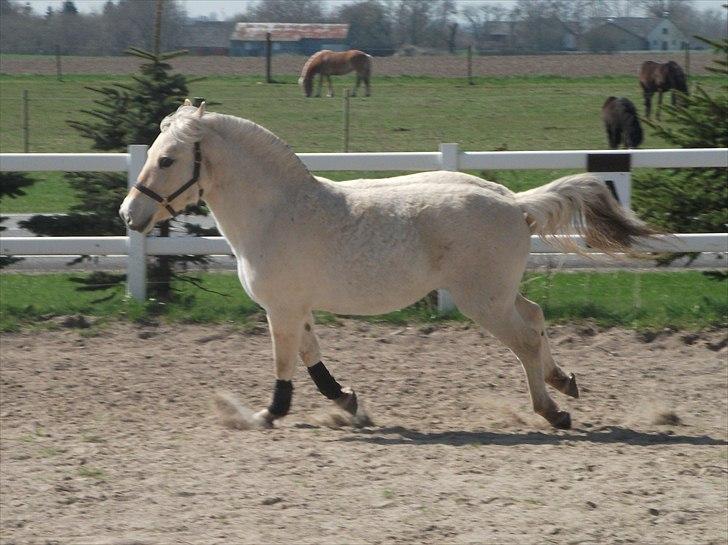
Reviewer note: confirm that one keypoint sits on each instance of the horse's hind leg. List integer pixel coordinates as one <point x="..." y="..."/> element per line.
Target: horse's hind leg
<point x="344" y="398"/>
<point x="553" y="374"/>
<point x="524" y="338"/>
<point x="356" y="85"/>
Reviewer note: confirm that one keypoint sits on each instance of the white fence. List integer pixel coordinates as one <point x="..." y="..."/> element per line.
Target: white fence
<point x="612" y="166"/>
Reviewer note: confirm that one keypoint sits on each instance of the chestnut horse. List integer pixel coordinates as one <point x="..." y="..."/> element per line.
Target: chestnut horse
<point x="335" y="63"/>
<point x="655" y="76"/>
<point x="621" y="122"/>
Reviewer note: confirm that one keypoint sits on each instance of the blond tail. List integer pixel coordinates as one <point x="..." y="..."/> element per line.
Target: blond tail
<point x="582" y="205"/>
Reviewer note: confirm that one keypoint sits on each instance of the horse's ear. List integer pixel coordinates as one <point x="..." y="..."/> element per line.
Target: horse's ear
<point x="201" y="109"/>
<point x="188" y="102"/>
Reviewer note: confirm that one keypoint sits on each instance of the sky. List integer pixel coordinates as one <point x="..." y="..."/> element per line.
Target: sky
<point x="227" y="8"/>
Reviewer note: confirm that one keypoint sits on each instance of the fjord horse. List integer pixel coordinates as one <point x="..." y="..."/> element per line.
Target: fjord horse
<point x="621" y="122"/>
<point x="368" y="247"/>
<point x="660" y="78"/>
<point x="327" y="63"/>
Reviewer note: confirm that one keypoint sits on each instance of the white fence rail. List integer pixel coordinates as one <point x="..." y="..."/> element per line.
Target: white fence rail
<point x="612" y="166"/>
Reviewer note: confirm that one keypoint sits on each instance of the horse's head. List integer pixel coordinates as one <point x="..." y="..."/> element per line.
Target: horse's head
<point x="170" y="179"/>
<point x="307" y="83"/>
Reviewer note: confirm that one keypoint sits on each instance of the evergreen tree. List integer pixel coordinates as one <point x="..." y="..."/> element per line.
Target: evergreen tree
<point x="11" y="185"/>
<point x="691" y="200"/>
<point x="124" y="114"/>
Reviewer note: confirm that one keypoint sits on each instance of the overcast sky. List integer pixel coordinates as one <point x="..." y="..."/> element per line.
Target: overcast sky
<point x="227" y="8"/>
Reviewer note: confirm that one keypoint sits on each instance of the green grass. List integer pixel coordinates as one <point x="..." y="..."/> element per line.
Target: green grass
<point x="404" y="114"/>
<point x="648" y="300"/>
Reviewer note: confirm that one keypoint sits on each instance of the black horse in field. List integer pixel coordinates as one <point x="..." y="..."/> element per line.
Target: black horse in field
<point x="660" y="78"/>
<point x="622" y="123"/>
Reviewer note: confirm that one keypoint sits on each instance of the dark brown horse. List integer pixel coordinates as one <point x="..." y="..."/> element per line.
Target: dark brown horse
<point x="658" y="77"/>
<point x="327" y="63"/>
<point x="622" y="123"/>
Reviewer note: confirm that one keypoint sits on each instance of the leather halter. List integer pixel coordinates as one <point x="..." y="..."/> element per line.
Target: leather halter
<point x="165" y="201"/>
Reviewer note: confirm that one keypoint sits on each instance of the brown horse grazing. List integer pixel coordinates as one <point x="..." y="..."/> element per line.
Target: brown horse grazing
<point x="622" y="123"/>
<point x="335" y="63"/>
<point x="655" y="76"/>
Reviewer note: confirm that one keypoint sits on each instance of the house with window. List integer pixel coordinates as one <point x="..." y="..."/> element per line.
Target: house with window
<point x="249" y="39"/>
<point x="634" y="34"/>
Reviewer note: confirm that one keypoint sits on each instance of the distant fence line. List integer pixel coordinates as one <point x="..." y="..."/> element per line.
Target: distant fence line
<point x="610" y="166"/>
<point x="455" y="66"/>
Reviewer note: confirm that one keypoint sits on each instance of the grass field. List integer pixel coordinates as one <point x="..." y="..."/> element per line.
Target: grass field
<point x="639" y="300"/>
<point x="404" y="114"/>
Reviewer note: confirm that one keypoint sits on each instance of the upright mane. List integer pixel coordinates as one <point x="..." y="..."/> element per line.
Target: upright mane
<point x="186" y="127"/>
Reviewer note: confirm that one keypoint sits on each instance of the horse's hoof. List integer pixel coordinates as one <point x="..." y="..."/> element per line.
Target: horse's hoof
<point x="560" y="420"/>
<point x="348" y="401"/>
<point x="263" y="419"/>
<point x="571" y="388"/>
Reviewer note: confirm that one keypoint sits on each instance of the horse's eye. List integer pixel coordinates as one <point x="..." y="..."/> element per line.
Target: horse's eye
<point x="165" y="162"/>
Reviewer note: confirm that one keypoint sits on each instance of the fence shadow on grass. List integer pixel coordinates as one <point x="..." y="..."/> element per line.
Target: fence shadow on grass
<point x="398" y="435"/>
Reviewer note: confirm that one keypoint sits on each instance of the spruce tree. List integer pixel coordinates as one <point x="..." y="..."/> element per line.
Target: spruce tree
<point x="124" y="114"/>
<point x="693" y="200"/>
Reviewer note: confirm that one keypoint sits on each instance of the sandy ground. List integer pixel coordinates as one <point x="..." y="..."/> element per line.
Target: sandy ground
<point x="108" y="437"/>
<point x="439" y="65"/>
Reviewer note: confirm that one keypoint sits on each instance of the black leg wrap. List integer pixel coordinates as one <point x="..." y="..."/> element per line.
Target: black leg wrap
<point x="326" y="384"/>
<point x="282" y="395"/>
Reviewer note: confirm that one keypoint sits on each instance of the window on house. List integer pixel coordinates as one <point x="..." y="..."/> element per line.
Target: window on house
<point x="664" y="30"/>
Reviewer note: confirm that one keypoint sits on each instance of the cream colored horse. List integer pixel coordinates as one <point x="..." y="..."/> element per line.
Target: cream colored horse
<point x="370" y="246"/>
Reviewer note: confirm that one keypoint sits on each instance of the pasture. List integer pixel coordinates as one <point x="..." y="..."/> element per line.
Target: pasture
<point x="109" y="436"/>
<point x="515" y="113"/>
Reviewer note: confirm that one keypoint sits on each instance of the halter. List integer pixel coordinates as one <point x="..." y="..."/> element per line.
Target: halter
<point x="165" y="201"/>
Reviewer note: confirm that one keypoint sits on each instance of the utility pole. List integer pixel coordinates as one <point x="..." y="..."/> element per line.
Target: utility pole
<point x="158" y="27"/>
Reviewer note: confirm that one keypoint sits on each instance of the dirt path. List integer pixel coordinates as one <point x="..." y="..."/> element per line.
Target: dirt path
<point x="110" y="439"/>
<point x="438" y="65"/>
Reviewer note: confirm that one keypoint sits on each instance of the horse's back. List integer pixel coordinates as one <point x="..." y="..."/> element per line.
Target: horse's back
<point x="425" y="185"/>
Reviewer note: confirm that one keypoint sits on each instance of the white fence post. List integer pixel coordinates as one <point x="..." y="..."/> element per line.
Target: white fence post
<point x="136" y="259"/>
<point x="621" y="183"/>
<point x="614" y="170"/>
<point x="450" y="158"/>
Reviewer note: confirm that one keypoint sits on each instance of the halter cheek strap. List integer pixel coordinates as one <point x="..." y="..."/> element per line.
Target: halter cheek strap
<point x="166" y="201"/>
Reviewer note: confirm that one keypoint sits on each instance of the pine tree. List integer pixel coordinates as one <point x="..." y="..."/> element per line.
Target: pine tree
<point x="124" y="114"/>
<point x="691" y="200"/>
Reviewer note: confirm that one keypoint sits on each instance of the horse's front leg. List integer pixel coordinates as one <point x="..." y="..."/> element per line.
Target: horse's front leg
<point x="320" y="84"/>
<point x="648" y="103"/>
<point x="659" y="104"/>
<point x="331" y="87"/>
<point x="286" y="331"/>
<point x="344" y="398"/>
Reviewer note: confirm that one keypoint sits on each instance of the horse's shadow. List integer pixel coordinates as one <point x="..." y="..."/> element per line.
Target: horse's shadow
<point x="398" y="435"/>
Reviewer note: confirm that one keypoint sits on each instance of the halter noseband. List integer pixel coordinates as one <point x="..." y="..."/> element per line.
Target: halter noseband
<point x="165" y="201"/>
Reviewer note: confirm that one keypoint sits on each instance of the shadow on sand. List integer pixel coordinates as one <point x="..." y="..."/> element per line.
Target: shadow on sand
<point x="398" y="435"/>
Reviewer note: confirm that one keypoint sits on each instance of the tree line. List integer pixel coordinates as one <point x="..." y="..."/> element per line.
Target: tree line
<point x="378" y="26"/>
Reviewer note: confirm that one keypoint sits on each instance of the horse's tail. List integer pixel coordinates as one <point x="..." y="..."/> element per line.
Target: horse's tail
<point x="581" y="204"/>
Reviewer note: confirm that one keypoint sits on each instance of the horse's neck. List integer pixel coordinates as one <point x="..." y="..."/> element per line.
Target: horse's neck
<point x="254" y="176"/>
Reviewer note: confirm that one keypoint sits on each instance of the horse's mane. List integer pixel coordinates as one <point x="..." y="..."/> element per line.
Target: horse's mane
<point x="186" y="127"/>
<point x="312" y="62"/>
